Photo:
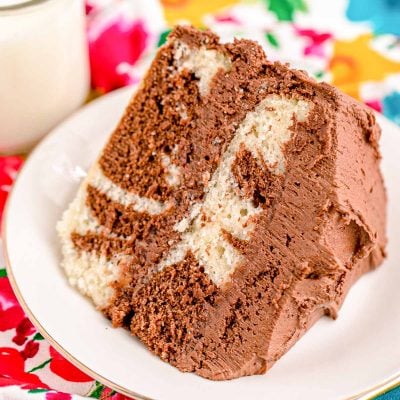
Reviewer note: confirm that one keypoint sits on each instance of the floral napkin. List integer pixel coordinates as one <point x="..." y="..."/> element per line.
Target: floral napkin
<point x="354" y="44"/>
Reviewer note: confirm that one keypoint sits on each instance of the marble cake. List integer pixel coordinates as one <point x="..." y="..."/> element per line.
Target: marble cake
<point x="235" y="204"/>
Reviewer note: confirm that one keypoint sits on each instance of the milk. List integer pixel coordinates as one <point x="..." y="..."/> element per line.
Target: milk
<point x="43" y="68"/>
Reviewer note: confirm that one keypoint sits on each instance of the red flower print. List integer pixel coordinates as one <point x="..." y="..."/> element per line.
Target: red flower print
<point x="109" y="394"/>
<point x="10" y="318"/>
<point x="24" y="329"/>
<point x="8" y="170"/>
<point x="12" y="371"/>
<point x="106" y="393"/>
<point x="30" y="350"/>
<point x="119" y="396"/>
<point x="7" y="296"/>
<point x="63" y="368"/>
<point x="11" y="312"/>
<point x="122" y="42"/>
<point x="58" y="396"/>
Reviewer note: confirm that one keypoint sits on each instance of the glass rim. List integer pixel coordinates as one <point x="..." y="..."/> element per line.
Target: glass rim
<point x="23" y="5"/>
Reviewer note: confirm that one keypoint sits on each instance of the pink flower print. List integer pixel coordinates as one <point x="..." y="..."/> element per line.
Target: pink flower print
<point x="120" y="43"/>
<point x="227" y="18"/>
<point x="374" y="104"/>
<point x="89" y="7"/>
<point x="316" y="41"/>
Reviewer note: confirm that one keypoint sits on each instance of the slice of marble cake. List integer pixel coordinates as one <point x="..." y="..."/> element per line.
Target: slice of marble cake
<point x="234" y="205"/>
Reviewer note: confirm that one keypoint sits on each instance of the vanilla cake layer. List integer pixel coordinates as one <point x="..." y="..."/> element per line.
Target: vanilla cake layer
<point x="235" y="204"/>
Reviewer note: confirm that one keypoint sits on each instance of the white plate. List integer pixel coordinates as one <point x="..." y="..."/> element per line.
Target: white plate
<point x="335" y="360"/>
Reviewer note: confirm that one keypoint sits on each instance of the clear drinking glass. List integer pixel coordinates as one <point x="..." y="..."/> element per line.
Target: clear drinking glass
<point x="44" y="73"/>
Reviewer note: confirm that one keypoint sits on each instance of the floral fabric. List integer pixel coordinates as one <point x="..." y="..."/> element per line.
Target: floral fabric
<point x="354" y="44"/>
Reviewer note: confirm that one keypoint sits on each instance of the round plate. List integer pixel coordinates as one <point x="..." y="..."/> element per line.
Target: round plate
<point x="335" y="360"/>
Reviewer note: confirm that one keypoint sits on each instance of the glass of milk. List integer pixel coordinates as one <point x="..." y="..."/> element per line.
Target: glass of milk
<point x="44" y="72"/>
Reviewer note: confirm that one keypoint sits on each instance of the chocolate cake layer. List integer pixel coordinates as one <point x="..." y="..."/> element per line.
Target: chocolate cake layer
<point x="234" y="205"/>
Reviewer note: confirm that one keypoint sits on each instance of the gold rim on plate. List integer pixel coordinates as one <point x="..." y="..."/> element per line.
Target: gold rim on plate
<point x="372" y="392"/>
<point x="23" y="5"/>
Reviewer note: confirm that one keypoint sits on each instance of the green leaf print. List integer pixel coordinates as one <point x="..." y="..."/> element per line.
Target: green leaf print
<point x="38" y="390"/>
<point x="272" y="39"/>
<point x="97" y="391"/>
<point x="3" y="273"/>
<point x="40" y="366"/>
<point x="163" y="37"/>
<point x="285" y="9"/>
<point x="38" y="336"/>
